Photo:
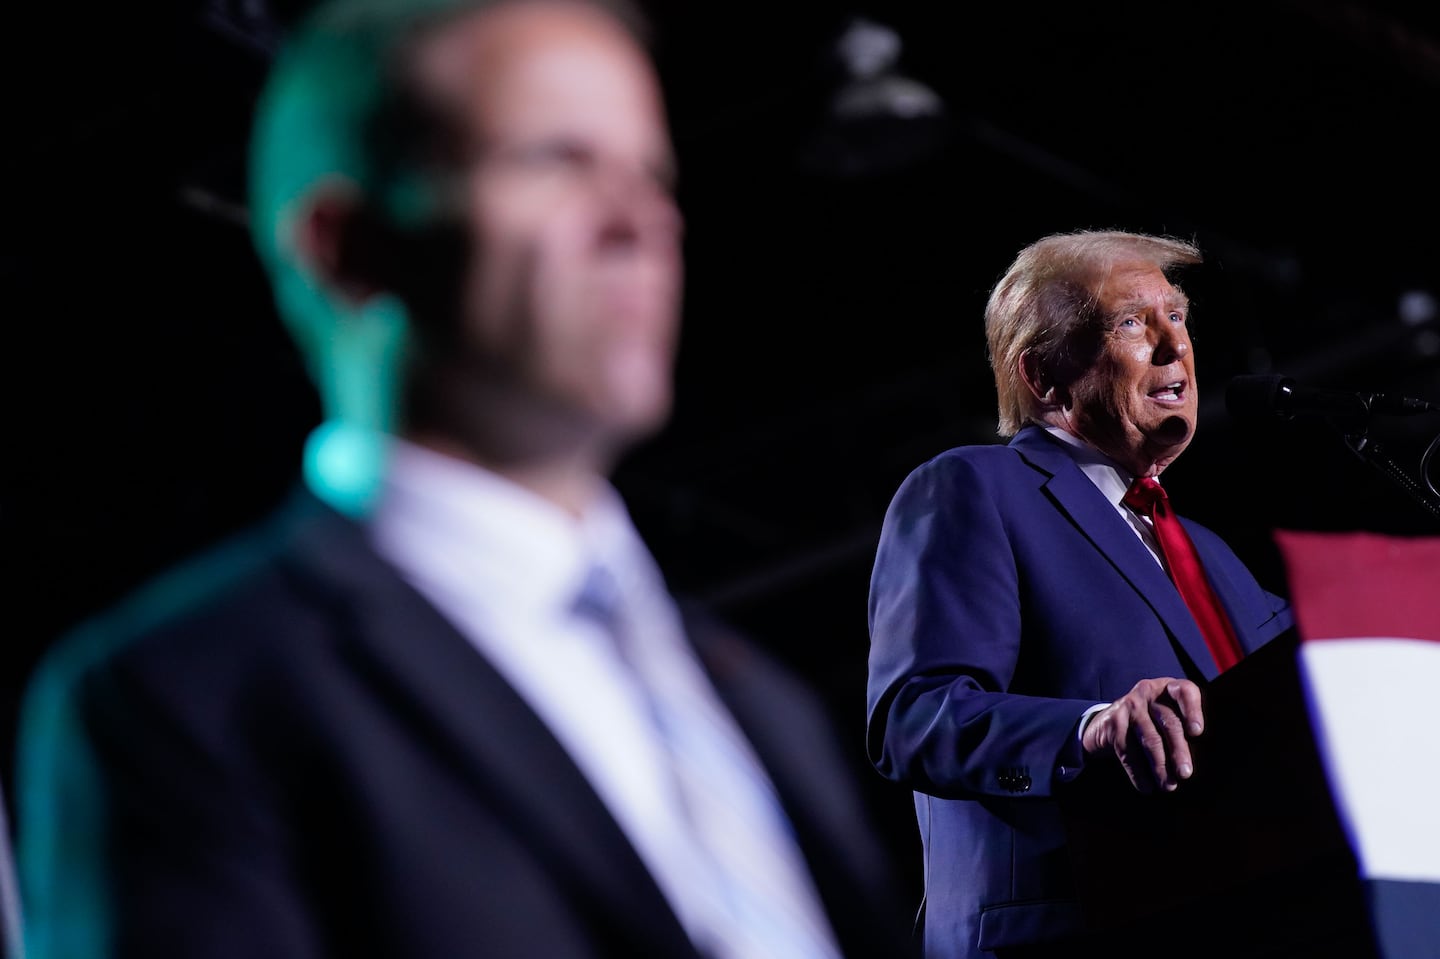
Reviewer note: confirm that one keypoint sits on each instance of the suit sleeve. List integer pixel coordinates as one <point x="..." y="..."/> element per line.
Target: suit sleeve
<point x="945" y="627"/>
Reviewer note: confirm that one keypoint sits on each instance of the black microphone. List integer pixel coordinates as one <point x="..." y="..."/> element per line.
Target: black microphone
<point x="1275" y="395"/>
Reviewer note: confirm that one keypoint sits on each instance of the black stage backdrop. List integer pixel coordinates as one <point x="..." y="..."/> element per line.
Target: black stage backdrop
<point x="842" y="236"/>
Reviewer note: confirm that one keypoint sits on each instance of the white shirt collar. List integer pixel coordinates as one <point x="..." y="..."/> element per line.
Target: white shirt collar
<point x="1107" y="476"/>
<point x="1111" y="481"/>
<point x="504" y="537"/>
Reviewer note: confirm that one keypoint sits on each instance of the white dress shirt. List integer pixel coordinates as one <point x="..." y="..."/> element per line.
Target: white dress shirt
<point x="505" y="566"/>
<point x="1113" y="482"/>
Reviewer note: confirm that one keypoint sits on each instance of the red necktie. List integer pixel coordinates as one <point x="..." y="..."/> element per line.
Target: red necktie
<point x="1183" y="563"/>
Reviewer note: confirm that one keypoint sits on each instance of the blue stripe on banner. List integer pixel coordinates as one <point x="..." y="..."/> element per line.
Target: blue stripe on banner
<point x="1406" y="916"/>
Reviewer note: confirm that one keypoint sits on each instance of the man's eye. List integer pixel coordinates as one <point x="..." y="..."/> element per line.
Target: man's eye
<point x="551" y="155"/>
<point x="560" y="153"/>
<point x="1177" y="317"/>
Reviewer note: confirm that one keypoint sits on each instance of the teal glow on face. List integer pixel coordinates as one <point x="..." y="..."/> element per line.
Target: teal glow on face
<point x="360" y="373"/>
<point x="344" y="464"/>
<point x="312" y="127"/>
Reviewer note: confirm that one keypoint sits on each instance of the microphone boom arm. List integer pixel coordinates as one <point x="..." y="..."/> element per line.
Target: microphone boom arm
<point x="1370" y="452"/>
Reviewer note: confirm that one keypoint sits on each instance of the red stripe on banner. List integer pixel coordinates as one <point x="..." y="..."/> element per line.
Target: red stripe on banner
<point x="1361" y="585"/>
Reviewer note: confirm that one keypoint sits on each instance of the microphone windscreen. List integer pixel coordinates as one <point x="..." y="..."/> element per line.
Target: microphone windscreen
<point x="1253" y="395"/>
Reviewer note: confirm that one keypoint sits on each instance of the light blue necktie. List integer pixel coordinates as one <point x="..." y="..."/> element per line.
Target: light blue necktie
<point x="765" y="905"/>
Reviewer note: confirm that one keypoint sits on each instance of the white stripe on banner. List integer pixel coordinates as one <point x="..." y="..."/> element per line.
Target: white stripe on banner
<point x="1373" y="702"/>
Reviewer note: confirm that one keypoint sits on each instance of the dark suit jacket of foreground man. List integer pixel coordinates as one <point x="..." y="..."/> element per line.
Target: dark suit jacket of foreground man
<point x="308" y="696"/>
<point x="1088" y="610"/>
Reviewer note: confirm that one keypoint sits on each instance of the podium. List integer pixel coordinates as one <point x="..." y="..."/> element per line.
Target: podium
<point x="1311" y="827"/>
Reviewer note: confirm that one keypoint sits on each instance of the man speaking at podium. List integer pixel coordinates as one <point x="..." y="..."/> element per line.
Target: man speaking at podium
<point x="1036" y="607"/>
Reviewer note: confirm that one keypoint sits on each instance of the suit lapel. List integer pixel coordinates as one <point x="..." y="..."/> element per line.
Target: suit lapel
<point x="461" y="704"/>
<point x="1075" y="496"/>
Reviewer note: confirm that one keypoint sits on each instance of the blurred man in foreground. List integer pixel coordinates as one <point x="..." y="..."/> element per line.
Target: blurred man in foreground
<point x="442" y="704"/>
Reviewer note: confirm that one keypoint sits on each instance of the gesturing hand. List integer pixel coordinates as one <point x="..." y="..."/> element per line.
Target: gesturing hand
<point x="1148" y="729"/>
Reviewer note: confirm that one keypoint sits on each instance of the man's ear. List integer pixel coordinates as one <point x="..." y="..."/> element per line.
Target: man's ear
<point x="1038" y="381"/>
<point x="338" y="238"/>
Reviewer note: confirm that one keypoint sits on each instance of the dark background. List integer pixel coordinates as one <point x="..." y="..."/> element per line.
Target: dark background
<point x="838" y="266"/>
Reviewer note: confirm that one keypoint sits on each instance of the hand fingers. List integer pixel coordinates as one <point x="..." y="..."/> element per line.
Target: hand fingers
<point x="1152" y="744"/>
<point x="1171" y="728"/>
<point x="1115" y="732"/>
<point x="1187" y="700"/>
<point x="1148" y="731"/>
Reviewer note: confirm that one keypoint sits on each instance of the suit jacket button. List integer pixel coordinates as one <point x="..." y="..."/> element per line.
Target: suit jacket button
<point x="1014" y="780"/>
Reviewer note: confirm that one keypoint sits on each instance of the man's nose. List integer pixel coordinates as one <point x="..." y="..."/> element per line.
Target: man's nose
<point x="1172" y="342"/>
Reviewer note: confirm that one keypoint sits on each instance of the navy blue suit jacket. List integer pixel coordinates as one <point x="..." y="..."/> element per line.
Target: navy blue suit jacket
<point x="1008" y="596"/>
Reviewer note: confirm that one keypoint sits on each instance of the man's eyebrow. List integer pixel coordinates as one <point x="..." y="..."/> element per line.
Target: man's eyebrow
<point x="1173" y="301"/>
